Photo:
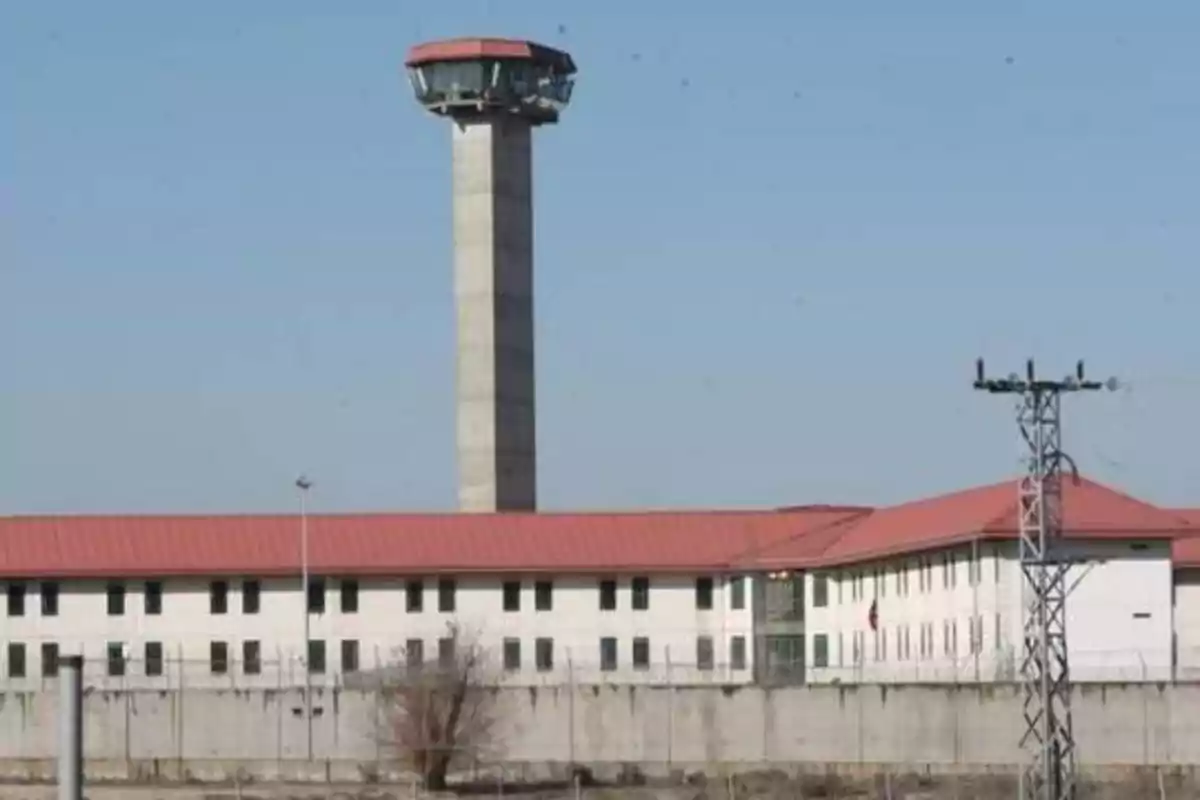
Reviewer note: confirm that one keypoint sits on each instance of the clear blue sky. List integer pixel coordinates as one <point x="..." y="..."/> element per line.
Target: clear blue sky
<point x="771" y="239"/>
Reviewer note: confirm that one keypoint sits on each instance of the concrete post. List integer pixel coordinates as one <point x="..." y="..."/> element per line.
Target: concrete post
<point x="70" y="728"/>
<point x="493" y="287"/>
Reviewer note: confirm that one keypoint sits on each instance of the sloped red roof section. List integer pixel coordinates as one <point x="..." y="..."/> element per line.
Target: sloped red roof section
<point x="1091" y="510"/>
<point x="392" y="544"/>
<point x="1185" y="550"/>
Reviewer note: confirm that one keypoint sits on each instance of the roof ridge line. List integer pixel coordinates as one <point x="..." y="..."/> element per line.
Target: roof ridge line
<point x="759" y="549"/>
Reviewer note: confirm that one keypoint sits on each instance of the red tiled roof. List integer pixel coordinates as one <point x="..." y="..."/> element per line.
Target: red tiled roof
<point x="393" y="544"/>
<point x="1091" y="510"/>
<point x="714" y="541"/>
<point x="1185" y="550"/>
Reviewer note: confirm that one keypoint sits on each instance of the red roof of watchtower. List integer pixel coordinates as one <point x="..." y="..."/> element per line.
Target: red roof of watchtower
<point x="472" y="49"/>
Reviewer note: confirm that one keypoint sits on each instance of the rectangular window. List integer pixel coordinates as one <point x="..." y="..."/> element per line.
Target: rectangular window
<point x="152" y="598"/>
<point x="608" y="595"/>
<point x="115" y="597"/>
<point x="349" y="596"/>
<point x="820" y="650"/>
<point x="608" y="654"/>
<point x="49" y="591"/>
<point x="218" y="658"/>
<point x="316" y="596"/>
<point x="316" y="656"/>
<point x="49" y="659"/>
<point x="639" y="590"/>
<point x="512" y="655"/>
<point x="414" y="653"/>
<point x="446" y="595"/>
<point x="737" y="593"/>
<point x="820" y="590"/>
<point x="349" y="655"/>
<point x="16" y="599"/>
<point x="446" y="652"/>
<point x="641" y="653"/>
<point x="16" y="660"/>
<point x="999" y="638"/>
<point x="543" y="596"/>
<point x="152" y="657"/>
<point x="737" y="652"/>
<point x="251" y="597"/>
<point x="512" y="595"/>
<point x="543" y="653"/>
<point x="116" y="656"/>
<point x="704" y="594"/>
<point x="883" y="644"/>
<point x="218" y="598"/>
<point x="704" y="653"/>
<point x="883" y="581"/>
<point x="414" y="596"/>
<point x="251" y="657"/>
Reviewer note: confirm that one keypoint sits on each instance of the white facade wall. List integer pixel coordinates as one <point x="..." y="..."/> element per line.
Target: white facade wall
<point x="939" y="618"/>
<point x="1187" y="623"/>
<point x="383" y="626"/>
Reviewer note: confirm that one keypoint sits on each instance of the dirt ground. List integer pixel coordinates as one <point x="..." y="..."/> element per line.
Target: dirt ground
<point x="762" y="786"/>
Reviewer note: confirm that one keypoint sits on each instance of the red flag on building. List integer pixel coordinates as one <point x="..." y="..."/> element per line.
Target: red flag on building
<point x="873" y="615"/>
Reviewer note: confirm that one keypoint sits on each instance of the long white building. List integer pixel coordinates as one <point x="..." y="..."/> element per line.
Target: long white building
<point x="924" y="591"/>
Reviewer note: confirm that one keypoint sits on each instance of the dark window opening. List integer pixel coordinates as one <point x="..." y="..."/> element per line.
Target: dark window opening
<point x="218" y="658"/>
<point x="49" y="659"/>
<point x="446" y="592"/>
<point x="316" y="656"/>
<point x="608" y="654"/>
<point x="152" y="657"/>
<point x="251" y="597"/>
<point x="116" y="656"/>
<point x="350" y="655"/>
<point x="640" y="589"/>
<point x="543" y="596"/>
<point x="316" y="597"/>
<point x="349" y="597"/>
<point x="544" y="654"/>
<point x="251" y="657"/>
<point x="512" y="655"/>
<point x="152" y="598"/>
<point x="16" y="599"/>
<point x="115" y="596"/>
<point x="414" y="597"/>
<point x="49" y="591"/>
<point x="218" y="597"/>
<point x="641" y="653"/>
<point x="608" y="595"/>
<point x="512" y="595"/>
<point x="16" y="660"/>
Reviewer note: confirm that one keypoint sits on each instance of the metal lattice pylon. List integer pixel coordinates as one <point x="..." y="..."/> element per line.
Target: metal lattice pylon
<point x="1047" y="738"/>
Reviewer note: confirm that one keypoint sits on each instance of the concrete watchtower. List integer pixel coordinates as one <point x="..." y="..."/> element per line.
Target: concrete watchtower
<point x="494" y="91"/>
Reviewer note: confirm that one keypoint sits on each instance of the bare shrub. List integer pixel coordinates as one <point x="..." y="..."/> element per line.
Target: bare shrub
<point x="440" y="714"/>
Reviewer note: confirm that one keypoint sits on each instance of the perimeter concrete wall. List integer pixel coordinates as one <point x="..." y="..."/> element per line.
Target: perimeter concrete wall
<point x="261" y="735"/>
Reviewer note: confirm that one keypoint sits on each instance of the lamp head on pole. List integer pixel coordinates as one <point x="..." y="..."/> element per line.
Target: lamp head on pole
<point x="303" y="483"/>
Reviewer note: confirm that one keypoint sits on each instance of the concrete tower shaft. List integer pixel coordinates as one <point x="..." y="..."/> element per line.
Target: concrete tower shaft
<point x="493" y="288"/>
<point x="494" y="91"/>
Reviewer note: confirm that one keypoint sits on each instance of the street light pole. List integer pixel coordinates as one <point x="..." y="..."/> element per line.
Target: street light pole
<point x="304" y="484"/>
